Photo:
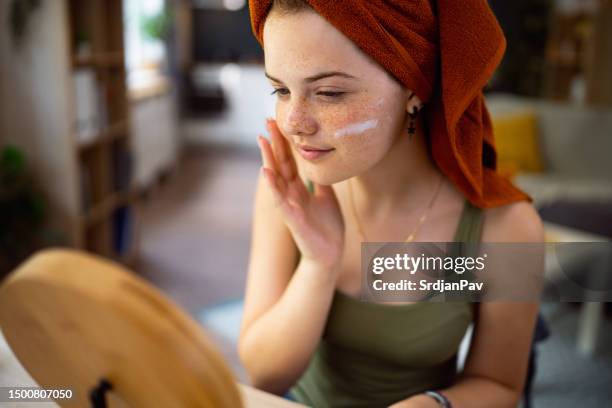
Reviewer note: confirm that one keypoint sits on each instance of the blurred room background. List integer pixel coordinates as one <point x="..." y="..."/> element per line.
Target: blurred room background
<point x="128" y="128"/>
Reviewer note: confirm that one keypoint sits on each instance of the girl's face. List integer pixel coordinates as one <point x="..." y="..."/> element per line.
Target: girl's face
<point x="330" y="95"/>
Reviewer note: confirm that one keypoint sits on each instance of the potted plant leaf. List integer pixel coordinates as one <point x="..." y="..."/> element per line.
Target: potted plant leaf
<point x="22" y="212"/>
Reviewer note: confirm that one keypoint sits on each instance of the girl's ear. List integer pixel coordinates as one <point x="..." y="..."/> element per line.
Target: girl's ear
<point x="413" y="102"/>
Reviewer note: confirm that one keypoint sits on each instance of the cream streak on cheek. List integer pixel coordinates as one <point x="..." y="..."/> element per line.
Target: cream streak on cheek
<point x="356" y="128"/>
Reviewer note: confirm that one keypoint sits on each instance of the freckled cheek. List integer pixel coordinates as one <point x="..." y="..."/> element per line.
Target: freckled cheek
<point x="333" y="119"/>
<point x="331" y="126"/>
<point x="359" y="143"/>
<point x="368" y="145"/>
<point x="338" y="122"/>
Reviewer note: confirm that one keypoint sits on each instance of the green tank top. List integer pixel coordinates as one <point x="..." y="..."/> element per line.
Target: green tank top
<point x="374" y="354"/>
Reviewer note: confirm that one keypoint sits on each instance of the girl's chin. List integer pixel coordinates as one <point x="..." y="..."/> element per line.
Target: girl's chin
<point x="323" y="179"/>
<point x="326" y="175"/>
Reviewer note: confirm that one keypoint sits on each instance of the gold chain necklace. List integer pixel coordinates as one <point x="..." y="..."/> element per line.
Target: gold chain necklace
<point x="421" y="219"/>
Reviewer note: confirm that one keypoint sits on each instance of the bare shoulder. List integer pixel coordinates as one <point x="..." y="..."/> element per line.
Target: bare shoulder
<point x="515" y="222"/>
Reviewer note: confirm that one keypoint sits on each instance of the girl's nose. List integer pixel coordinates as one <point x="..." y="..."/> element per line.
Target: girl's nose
<point x="299" y="120"/>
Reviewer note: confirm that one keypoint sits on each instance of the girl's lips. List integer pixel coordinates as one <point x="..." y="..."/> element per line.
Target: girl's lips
<point x="313" y="154"/>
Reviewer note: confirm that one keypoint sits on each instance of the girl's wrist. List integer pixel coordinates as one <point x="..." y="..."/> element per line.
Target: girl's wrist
<point x="329" y="269"/>
<point x="418" y="401"/>
<point x="331" y="265"/>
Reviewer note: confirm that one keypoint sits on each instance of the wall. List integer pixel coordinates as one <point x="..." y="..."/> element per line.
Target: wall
<point x="222" y="35"/>
<point x="249" y="102"/>
<point x="34" y="106"/>
<point x="154" y="127"/>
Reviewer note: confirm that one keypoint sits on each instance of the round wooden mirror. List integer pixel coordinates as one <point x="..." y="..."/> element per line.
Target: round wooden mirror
<point x="80" y="322"/>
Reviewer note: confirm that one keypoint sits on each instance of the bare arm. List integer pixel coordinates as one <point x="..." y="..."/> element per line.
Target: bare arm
<point x="286" y="307"/>
<point x="276" y="347"/>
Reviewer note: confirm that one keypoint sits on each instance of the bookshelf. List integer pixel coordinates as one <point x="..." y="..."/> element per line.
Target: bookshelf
<point x="566" y="52"/>
<point x="107" y="223"/>
<point x="579" y="47"/>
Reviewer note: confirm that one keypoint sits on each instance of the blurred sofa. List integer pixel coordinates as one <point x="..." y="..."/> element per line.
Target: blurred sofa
<point x="561" y="155"/>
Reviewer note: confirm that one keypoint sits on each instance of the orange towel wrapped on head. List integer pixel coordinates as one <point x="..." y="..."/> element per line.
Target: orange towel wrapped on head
<point x="445" y="51"/>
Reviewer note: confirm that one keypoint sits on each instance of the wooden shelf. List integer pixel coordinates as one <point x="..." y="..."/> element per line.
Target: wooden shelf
<point x="113" y="132"/>
<point x="103" y="209"/>
<point x="100" y="210"/>
<point x="577" y="48"/>
<point x="107" y="219"/>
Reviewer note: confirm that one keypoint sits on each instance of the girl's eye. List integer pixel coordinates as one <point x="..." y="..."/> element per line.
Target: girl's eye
<point x="280" y="91"/>
<point x="328" y="94"/>
<point x="332" y="94"/>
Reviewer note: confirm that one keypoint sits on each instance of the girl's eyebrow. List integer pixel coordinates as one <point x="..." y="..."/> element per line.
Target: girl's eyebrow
<point x="318" y="76"/>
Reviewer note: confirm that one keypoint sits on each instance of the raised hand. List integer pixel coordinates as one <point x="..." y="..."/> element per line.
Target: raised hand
<point x="315" y="220"/>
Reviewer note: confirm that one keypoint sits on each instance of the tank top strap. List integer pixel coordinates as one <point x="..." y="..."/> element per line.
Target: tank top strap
<point x="470" y="224"/>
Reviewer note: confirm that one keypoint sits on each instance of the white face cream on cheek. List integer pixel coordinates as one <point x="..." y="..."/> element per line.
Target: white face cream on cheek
<point x="356" y="128"/>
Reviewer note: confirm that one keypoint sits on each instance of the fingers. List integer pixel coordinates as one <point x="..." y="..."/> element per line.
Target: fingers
<point x="275" y="186"/>
<point x="277" y="140"/>
<point x="281" y="148"/>
<point x="286" y="162"/>
<point x="325" y="192"/>
<point x="267" y="156"/>
<point x="278" y="158"/>
<point x="286" y="203"/>
<point x="321" y="190"/>
<point x="270" y="162"/>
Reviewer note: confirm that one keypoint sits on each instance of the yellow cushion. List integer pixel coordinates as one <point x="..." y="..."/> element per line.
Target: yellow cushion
<point x="517" y="144"/>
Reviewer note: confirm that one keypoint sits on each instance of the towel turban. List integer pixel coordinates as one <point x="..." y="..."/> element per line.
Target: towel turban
<point x="445" y="51"/>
